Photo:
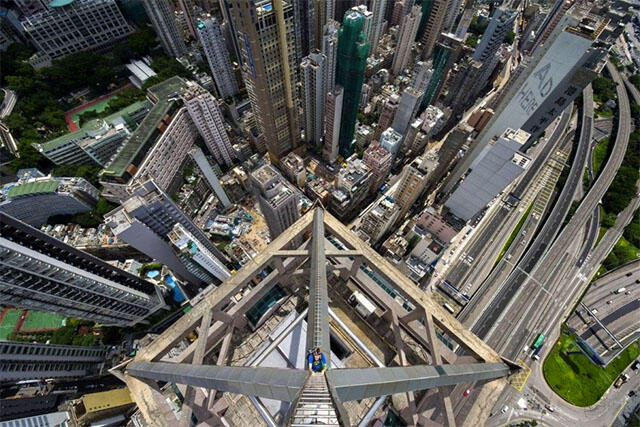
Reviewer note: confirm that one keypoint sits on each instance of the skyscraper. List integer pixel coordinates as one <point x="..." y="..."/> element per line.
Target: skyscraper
<point x="42" y="273"/>
<point x="433" y="25"/>
<point x="270" y="71"/>
<point x="378" y="8"/>
<point x="205" y="113"/>
<point x="164" y="22"/>
<point x="413" y="180"/>
<point x="304" y="14"/>
<point x="542" y="87"/>
<point x="330" y="51"/>
<point x="144" y="221"/>
<point x="213" y="43"/>
<point x="379" y="161"/>
<point x="209" y="175"/>
<point x="453" y="8"/>
<point x="389" y="109"/>
<point x="406" y="109"/>
<point x="278" y="203"/>
<point x="408" y="31"/>
<point x="367" y="17"/>
<point x="313" y="95"/>
<point x="353" y="49"/>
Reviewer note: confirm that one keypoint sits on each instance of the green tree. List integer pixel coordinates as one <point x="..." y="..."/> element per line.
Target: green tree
<point x="88" y="172"/>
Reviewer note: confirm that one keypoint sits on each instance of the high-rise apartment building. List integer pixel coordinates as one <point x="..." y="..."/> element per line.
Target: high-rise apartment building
<point x="304" y="17"/>
<point x="379" y="162"/>
<point x="163" y="21"/>
<point x="377" y="222"/>
<point x="497" y="167"/>
<point x="433" y="25"/>
<point x="313" y="95"/>
<point x="408" y="106"/>
<point x="408" y="31"/>
<point x="378" y="8"/>
<point x="205" y="114"/>
<point x="367" y="19"/>
<point x="270" y="71"/>
<point x="34" y="199"/>
<point x="500" y="24"/>
<point x="196" y="258"/>
<point x="278" y="202"/>
<point x="42" y="273"/>
<point x="70" y="26"/>
<point x="30" y="361"/>
<point x="144" y="221"/>
<point x="453" y="9"/>
<point x="413" y="180"/>
<point x="353" y="49"/>
<point x="330" y="51"/>
<point x="388" y="113"/>
<point x="557" y="13"/>
<point x="542" y="86"/>
<point x="215" y="49"/>
<point x="332" y="123"/>
<point x="352" y="188"/>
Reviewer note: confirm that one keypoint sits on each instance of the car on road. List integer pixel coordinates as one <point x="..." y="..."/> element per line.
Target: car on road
<point x="467" y="392"/>
<point x="504" y="409"/>
<point x="549" y="408"/>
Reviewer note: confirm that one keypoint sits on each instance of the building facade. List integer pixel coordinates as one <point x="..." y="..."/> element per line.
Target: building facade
<point x="379" y="162"/>
<point x="333" y="116"/>
<point x="313" y="68"/>
<point x="42" y="273"/>
<point x="213" y="42"/>
<point x="353" y="49"/>
<point x="30" y="361"/>
<point x="163" y="21"/>
<point x="69" y="27"/>
<point x="205" y="113"/>
<point x="34" y="200"/>
<point x="408" y="31"/>
<point x="270" y="71"/>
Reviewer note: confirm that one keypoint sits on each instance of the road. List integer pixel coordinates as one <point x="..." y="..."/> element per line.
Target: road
<point x="548" y="297"/>
<point x="480" y="245"/>
<point x="493" y="316"/>
<point x="8" y="103"/>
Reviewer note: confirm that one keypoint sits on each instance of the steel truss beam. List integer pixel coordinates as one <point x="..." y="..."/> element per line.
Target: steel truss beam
<point x="271" y="383"/>
<point x="357" y="384"/>
<point x="318" y="318"/>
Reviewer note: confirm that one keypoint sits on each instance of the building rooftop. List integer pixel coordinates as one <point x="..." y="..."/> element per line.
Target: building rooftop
<point x="90" y="125"/>
<point x="164" y="95"/>
<point x="34" y="187"/>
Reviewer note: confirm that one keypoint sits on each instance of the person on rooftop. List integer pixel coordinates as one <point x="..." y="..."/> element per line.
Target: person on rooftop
<point x="317" y="361"/>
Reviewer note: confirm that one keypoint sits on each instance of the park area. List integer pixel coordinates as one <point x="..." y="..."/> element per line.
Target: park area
<point x="97" y="105"/>
<point x="26" y="321"/>
<point x="572" y="375"/>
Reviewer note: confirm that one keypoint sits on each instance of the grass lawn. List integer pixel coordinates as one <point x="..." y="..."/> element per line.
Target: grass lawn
<point x="514" y="233"/>
<point x="575" y="378"/>
<point x="600" y="155"/>
<point x="621" y="253"/>
<point x="9" y="322"/>
<point x="40" y="320"/>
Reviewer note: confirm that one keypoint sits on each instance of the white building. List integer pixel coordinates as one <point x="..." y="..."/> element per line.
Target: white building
<point x="140" y="72"/>
<point x="196" y="257"/>
<point x="205" y="113"/>
<point x="278" y="202"/>
<point x="330" y="50"/>
<point x="391" y="141"/>
<point x="70" y="26"/>
<point x="215" y="49"/>
<point x="378" y="7"/>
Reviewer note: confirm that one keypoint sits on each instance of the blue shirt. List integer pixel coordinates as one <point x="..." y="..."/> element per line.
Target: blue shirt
<point x="317" y="365"/>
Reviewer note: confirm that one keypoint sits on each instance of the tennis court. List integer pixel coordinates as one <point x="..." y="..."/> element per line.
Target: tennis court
<point x="8" y="322"/>
<point x="38" y="320"/>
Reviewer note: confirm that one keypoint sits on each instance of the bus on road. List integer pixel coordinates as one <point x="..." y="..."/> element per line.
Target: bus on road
<point x="539" y="342"/>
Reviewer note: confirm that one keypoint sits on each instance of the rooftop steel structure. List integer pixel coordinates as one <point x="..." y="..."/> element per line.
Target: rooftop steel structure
<point x="317" y="399"/>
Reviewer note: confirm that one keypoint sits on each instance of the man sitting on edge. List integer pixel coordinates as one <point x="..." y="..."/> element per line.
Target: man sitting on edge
<point x="317" y="361"/>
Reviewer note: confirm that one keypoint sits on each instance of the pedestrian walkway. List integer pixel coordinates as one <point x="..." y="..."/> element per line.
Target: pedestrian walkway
<point x="315" y="406"/>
